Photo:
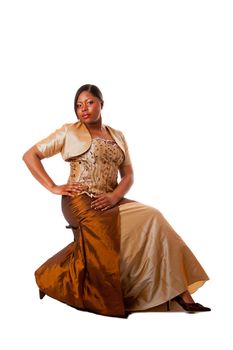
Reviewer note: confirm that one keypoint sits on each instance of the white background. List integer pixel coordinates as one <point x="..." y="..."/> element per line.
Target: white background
<point x="165" y="70"/>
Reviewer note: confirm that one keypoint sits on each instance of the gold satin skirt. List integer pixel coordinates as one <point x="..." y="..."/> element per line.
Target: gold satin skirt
<point x="155" y="263"/>
<point x="127" y="258"/>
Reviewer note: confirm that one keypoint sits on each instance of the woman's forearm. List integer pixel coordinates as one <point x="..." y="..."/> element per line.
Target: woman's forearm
<point x="34" y="164"/>
<point x="123" y="186"/>
<point x="32" y="159"/>
<point x="107" y="200"/>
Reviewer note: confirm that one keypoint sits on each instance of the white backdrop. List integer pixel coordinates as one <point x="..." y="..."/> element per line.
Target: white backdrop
<point x="165" y="70"/>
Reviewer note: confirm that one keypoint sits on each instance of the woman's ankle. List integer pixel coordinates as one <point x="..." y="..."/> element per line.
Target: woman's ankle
<point x="186" y="296"/>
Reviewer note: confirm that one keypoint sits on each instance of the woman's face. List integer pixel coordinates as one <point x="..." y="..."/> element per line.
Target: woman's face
<point x="88" y="108"/>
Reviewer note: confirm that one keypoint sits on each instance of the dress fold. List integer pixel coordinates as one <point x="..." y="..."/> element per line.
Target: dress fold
<point x="127" y="258"/>
<point x="86" y="274"/>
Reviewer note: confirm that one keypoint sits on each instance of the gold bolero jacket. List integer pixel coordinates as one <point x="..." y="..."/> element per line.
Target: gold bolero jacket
<point x="74" y="139"/>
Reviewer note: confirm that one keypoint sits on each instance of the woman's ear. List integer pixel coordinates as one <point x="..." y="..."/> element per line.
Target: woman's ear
<point x="102" y="104"/>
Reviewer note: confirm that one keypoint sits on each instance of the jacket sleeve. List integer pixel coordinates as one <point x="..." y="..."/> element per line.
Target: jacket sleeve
<point x="127" y="160"/>
<point x="53" y="143"/>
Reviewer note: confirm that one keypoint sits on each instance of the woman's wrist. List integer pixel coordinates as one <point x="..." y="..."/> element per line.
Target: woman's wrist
<point x="50" y="187"/>
<point x="116" y="197"/>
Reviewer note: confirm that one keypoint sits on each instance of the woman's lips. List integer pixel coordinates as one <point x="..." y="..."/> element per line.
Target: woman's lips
<point x="86" y="115"/>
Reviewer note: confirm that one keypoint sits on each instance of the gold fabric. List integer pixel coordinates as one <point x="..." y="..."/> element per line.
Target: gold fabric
<point x="86" y="273"/>
<point x="71" y="140"/>
<point x="127" y="258"/>
<point x="123" y="259"/>
<point x="155" y="263"/>
<point x="98" y="167"/>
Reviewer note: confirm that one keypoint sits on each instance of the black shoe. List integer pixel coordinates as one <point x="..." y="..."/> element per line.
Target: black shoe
<point x="190" y="307"/>
<point x="41" y="294"/>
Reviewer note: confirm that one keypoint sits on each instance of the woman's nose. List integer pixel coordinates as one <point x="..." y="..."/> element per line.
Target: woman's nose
<point x="84" y="107"/>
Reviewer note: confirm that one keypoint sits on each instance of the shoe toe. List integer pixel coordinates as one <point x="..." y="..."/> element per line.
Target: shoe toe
<point x="202" y="308"/>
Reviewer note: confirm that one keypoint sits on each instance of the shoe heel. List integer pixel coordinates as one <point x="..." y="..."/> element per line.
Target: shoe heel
<point x="168" y="305"/>
<point x="41" y="294"/>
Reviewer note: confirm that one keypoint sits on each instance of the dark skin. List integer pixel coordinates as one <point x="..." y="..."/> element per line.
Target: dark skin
<point x="89" y="110"/>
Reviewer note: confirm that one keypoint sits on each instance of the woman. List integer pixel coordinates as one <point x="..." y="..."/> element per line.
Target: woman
<point x="125" y="256"/>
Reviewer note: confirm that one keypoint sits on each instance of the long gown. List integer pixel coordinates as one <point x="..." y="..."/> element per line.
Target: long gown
<point x="127" y="258"/>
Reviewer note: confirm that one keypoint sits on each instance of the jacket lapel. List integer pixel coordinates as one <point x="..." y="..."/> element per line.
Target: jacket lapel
<point x="78" y="140"/>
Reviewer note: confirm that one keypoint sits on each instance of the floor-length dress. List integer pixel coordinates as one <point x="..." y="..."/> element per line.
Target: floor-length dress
<point x="127" y="258"/>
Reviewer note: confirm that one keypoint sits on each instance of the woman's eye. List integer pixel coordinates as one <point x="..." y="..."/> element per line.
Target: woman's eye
<point x="89" y="102"/>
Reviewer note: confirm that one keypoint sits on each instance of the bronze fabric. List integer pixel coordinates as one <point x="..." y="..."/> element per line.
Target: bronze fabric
<point x="86" y="273"/>
<point x="127" y="258"/>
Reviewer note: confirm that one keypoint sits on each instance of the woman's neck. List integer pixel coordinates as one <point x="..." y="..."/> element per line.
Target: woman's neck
<point x="99" y="130"/>
<point x="95" y="127"/>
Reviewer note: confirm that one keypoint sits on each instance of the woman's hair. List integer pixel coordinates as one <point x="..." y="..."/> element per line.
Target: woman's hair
<point x="93" y="89"/>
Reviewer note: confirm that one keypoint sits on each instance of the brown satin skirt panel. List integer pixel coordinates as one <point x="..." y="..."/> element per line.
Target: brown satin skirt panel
<point x="61" y="277"/>
<point x="86" y="274"/>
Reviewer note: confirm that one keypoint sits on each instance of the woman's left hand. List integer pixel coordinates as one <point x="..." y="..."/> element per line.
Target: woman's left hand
<point x="104" y="201"/>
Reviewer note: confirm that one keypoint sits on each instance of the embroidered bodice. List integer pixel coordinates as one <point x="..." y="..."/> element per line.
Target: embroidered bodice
<point x="98" y="167"/>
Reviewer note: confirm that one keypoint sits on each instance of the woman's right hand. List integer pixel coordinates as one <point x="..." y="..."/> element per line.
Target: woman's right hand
<point x="33" y="159"/>
<point x="68" y="189"/>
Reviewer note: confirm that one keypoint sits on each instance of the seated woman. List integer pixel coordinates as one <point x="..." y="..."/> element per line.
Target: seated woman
<point x="125" y="256"/>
